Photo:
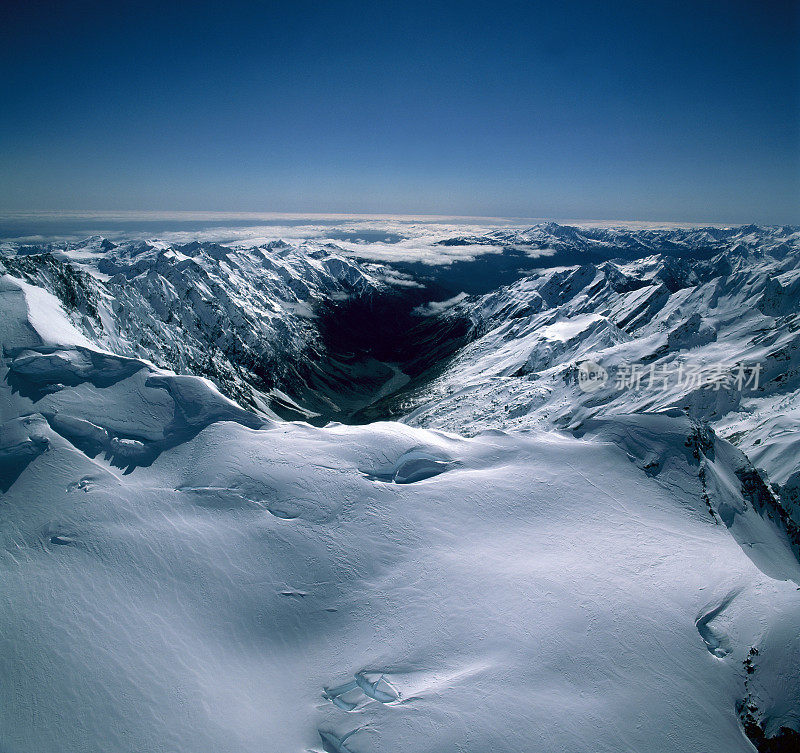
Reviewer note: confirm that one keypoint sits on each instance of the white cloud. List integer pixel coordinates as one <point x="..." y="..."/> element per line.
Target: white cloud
<point x="418" y="235"/>
<point x="437" y="307"/>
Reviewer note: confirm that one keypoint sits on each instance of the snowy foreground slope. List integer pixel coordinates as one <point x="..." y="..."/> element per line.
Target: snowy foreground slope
<point x="181" y="574"/>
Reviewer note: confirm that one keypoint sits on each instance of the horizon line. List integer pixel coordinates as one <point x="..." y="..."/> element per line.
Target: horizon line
<point x="227" y="215"/>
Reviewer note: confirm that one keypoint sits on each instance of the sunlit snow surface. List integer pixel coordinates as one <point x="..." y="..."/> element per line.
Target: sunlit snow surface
<point x="179" y="574"/>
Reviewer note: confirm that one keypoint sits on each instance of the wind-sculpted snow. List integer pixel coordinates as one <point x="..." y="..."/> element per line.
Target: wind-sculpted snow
<point x="544" y="589"/>
<point x="415" y="465"/>
<point x="102" y="403"/>
<point x="581" y="572"/>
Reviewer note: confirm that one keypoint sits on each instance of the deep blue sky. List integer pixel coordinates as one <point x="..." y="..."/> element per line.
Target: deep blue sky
<point x="617" y="110"/>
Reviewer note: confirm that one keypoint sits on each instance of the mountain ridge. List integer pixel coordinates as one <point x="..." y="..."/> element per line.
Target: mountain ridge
<point x="516" y="560"/>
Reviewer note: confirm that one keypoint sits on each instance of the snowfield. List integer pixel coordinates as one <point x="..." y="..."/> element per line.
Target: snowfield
<point x="180" y="574"/>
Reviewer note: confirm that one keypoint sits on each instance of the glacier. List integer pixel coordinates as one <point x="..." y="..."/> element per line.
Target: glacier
<point x="231" y="521"/>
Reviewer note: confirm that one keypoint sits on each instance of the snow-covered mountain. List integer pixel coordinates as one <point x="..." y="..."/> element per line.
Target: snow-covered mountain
<point x="648" y="322"/>
<point x="623" y="242"/>
<point x="253" y="320"/>
<point x="520" y="562"/>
